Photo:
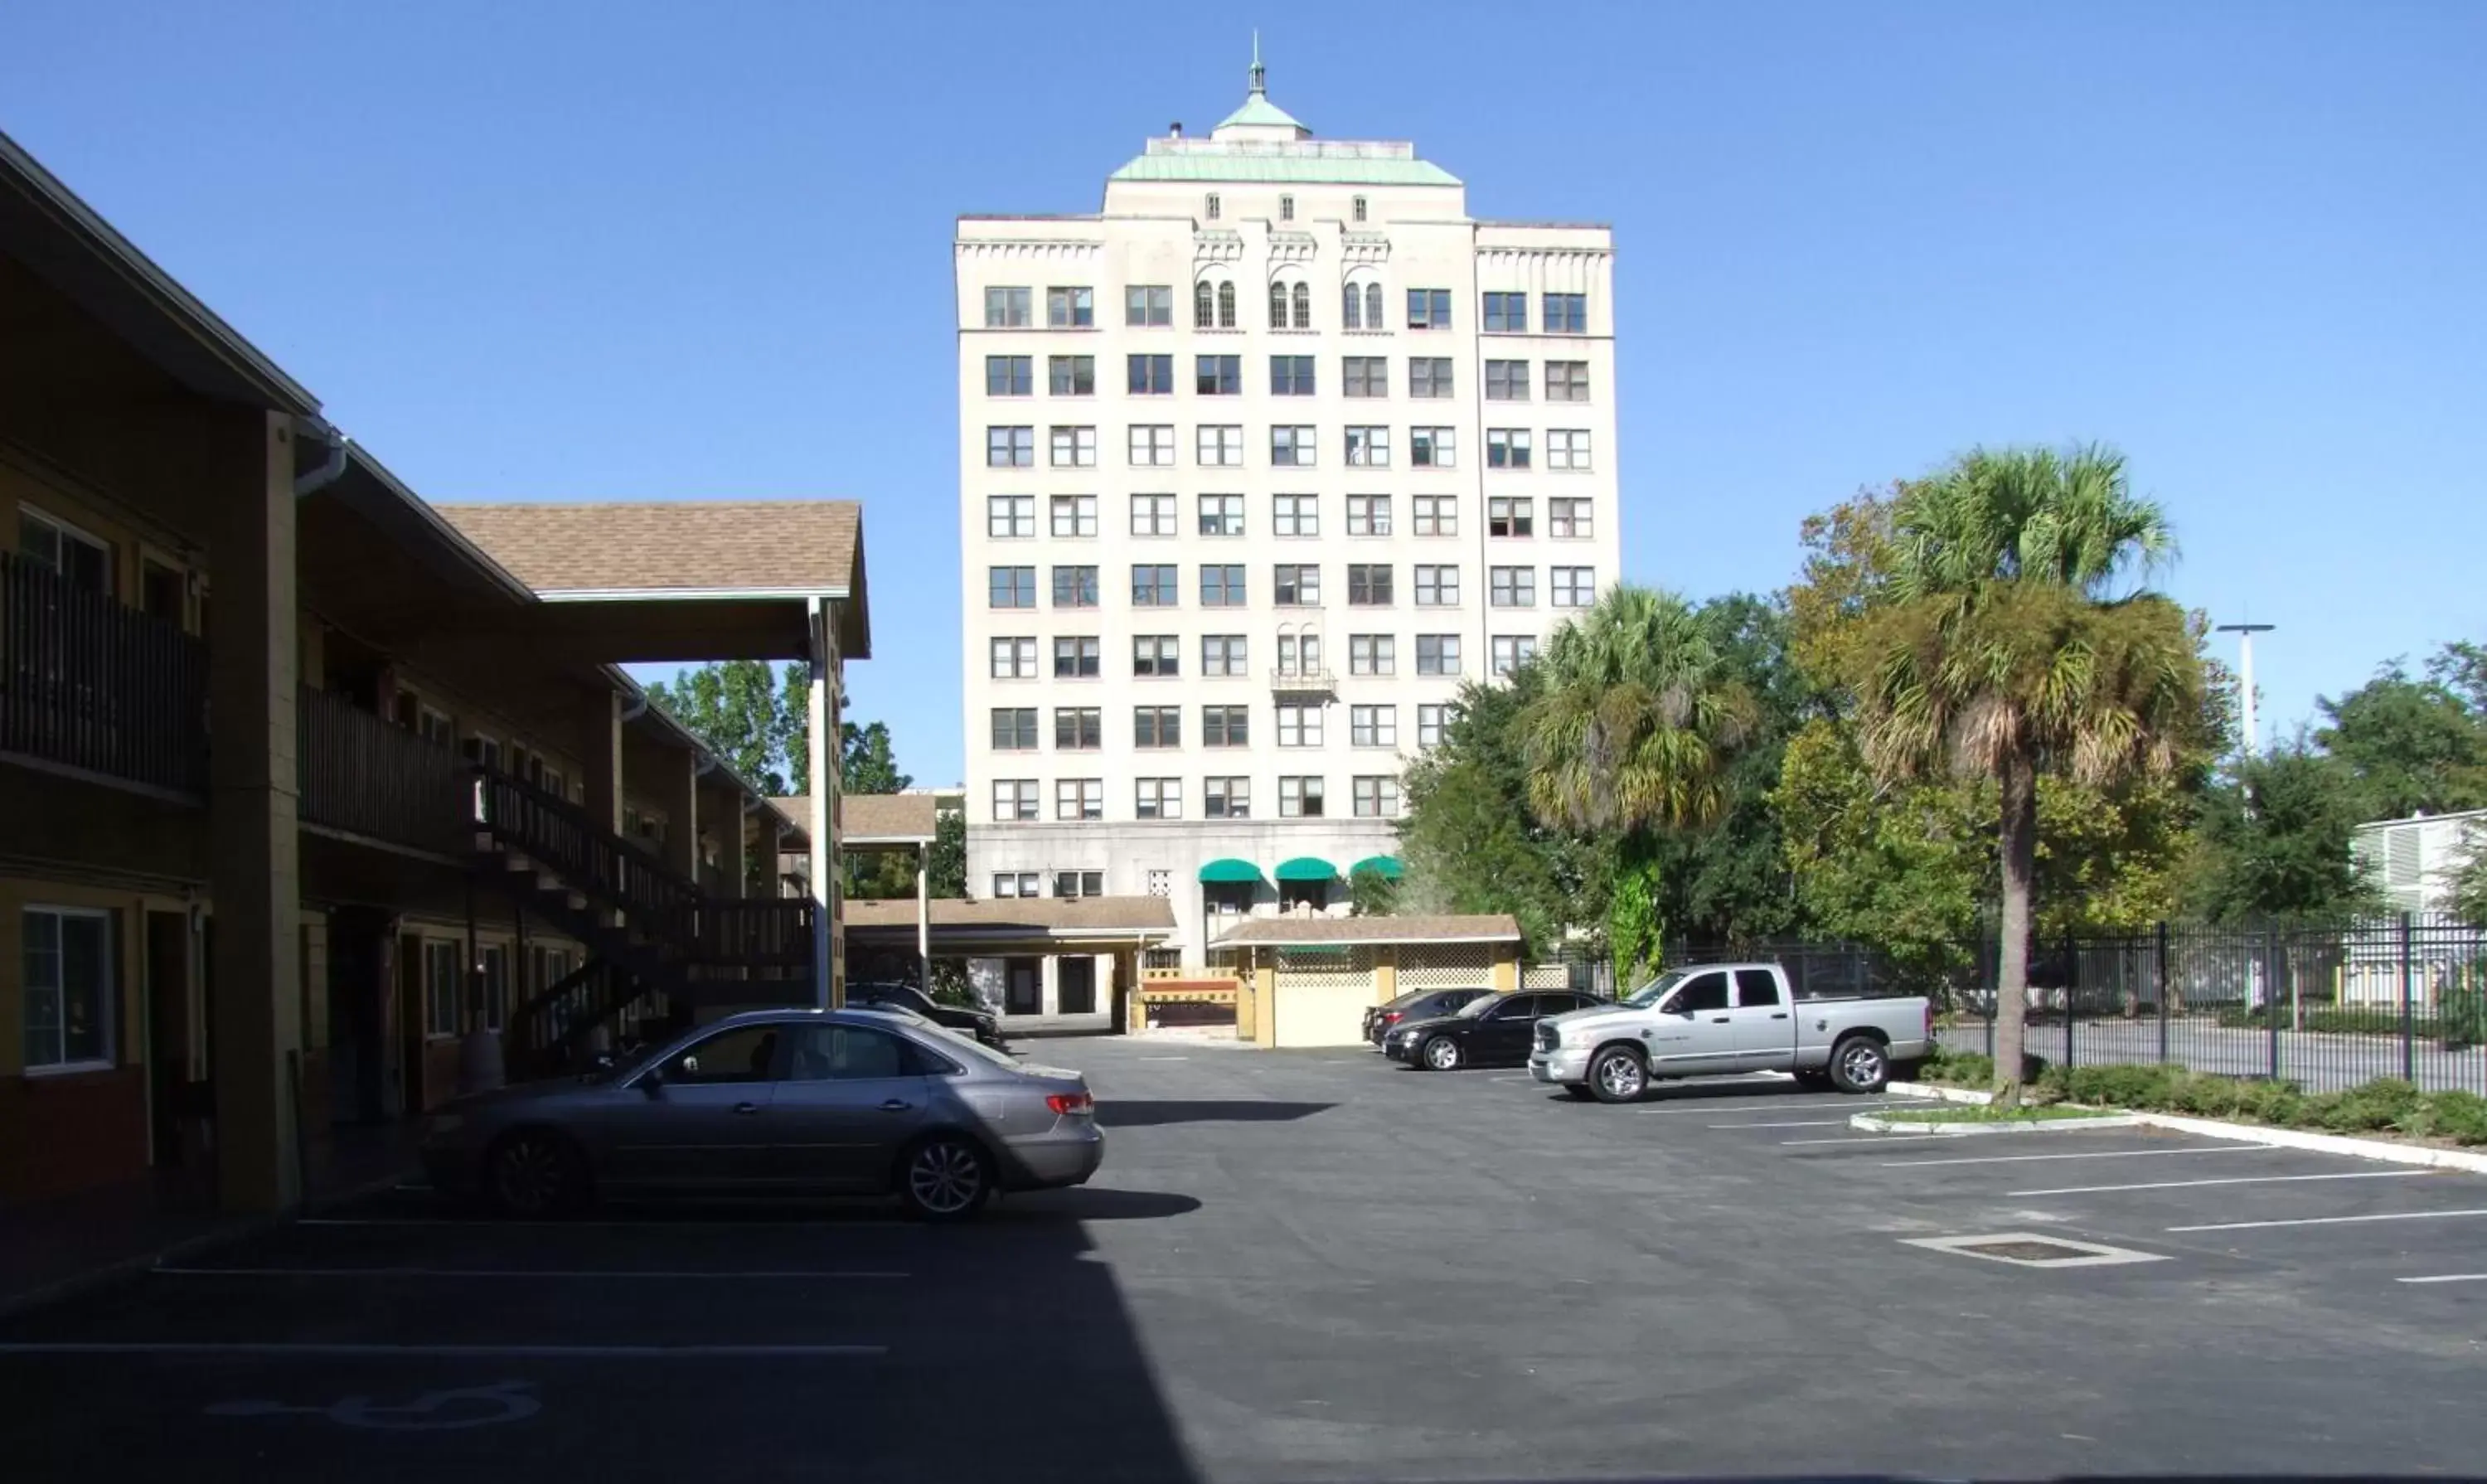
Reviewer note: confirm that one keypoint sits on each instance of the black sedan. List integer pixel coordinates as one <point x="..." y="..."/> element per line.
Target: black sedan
<point x="1416" y="1005"/>
<point x="1493" y="1031"/>
<point x="978" y="1024"/>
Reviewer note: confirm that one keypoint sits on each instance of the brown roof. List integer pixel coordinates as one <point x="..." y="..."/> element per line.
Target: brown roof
<point x="1318" y="932"/>
<point x="998" y="916"/>
<point x="871" y="817"/>
<point x="672" y="545"/>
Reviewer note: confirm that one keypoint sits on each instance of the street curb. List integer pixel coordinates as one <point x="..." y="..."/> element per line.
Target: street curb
<point x="1878" y="1123"/>
<point x="2382" y="1151"/>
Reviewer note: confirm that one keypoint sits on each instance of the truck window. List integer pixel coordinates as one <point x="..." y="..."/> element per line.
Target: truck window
<point x="1756" y="987"/>
<point x="1702" y="992"/>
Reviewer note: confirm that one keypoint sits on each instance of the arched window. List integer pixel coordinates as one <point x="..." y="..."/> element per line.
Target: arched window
<point x="1200" y="305"/>
<point x="1373" y="319"/>
<point x="1277" y="306"/>
<point x="1351" y="310"/>
<point x="1226" y="306"/>
<point x="1303" y="306"/>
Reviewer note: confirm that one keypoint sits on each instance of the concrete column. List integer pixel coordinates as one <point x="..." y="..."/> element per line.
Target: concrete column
<point x="677" y="791"/>
<point x="1385" y="974"/>
<point x="924" y="913"/>
<point x="255" y="872"/>
<point x="819" y="721"/>
<point x="599" y="746"/>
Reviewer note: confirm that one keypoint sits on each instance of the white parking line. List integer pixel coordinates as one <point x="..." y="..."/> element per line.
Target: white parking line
<point x="2449" y="1278"/>
<point x="2333" y="1220"/>
<point x="675" y="1276"/>
<point x="2094" y="1153"/>
<point x="2184" y="1185"/>
<point x="527" y="1352"/>
<point x="1792" y="1123"/>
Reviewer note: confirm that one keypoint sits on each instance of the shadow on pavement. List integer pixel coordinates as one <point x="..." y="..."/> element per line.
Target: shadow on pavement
<point x="1130" y="1114"/>
<point x="1697" y="1092"/>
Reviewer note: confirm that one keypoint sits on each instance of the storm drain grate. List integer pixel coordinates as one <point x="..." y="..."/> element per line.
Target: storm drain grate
<point x="2030" y="1249"/>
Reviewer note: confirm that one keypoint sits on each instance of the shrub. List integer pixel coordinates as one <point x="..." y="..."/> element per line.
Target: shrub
<point x="2460" y="1017"/>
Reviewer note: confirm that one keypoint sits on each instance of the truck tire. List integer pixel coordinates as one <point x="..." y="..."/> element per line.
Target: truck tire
<point x="1860" y="1063"/>
<point x="1618" y="1074"/>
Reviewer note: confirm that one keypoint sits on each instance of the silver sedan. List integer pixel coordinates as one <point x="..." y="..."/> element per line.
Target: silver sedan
<point x="794" y="1101"/>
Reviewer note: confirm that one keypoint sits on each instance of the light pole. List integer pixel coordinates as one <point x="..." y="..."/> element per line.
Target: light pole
<point x="2244" y="634"/>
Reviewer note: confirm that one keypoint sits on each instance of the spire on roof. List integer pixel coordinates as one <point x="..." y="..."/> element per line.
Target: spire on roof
<point x="1257" y="80"/>
<point x="1259" y="119"/>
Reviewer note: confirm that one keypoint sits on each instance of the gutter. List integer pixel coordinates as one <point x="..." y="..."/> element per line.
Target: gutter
<point x="332" y="468"/>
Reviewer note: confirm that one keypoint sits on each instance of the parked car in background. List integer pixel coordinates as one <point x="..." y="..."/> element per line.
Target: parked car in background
<point x="1708" y="1019"/>
<point x="1495" y="1030"/>
<point x="1417" y="1005"/>
<point x="979" y="1023"/>
<point x="777" y="1102"/>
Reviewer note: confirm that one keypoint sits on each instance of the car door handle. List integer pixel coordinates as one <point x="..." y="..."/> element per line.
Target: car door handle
<point x="1722" y="1019"/>
<point x="746" y="1109"/>
<point x="1780" y="1016"/>
<point x="896" y="1106"/>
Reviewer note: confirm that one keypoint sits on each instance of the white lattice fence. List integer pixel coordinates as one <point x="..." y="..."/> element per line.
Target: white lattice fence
<point x="1546" y="976"/>
<point x="1325" y="968"/>
<point x="1444" y="967"/>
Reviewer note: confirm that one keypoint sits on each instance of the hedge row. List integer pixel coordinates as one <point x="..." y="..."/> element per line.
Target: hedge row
<point x="2387" y="1105"/>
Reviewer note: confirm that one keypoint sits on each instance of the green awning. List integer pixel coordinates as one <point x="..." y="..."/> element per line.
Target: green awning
<point x="1308" y="868"/>
<point x="1387" y="867"/>
<point x="1230" y="869"/>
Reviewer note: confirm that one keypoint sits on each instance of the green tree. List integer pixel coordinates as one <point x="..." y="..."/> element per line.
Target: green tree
<point x="1996" y="650"/>
<point x="739" y="711"/>
<point x="2413" y="745"/>
<point x="946" y="875"/>
<point x="2274" y="839"/>
<point x="865" y="764"/>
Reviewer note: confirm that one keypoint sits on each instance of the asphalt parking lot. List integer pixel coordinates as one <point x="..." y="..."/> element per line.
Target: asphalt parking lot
<point x="1309" y="1266"/>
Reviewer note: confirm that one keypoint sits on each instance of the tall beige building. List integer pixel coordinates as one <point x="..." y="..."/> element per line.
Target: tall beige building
<point x="1259" y="463"/>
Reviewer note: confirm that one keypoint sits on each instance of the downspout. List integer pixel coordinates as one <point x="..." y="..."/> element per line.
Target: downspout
<point x="637" y="708"/>
<point x="331" y="467"/>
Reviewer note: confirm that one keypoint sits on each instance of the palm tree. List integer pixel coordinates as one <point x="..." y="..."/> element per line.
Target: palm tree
<point x="1630" y="732"/>
<point x="2000" y="651"/>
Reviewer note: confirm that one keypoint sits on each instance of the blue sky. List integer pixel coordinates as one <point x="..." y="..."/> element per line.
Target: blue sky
<point x="579" y="250"/>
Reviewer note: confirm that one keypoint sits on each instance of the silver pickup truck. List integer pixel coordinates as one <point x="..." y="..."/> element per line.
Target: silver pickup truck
<point x="1708" y="1019"/>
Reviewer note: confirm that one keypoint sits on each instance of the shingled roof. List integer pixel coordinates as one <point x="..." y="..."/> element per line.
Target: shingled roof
<point x="791" y="548"/>
<point x="1328" y="931"/>
<point x="886" y="816"/>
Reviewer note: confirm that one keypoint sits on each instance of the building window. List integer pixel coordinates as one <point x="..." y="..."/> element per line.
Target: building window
<point x="1010" y="448"/>
<point x="1291" y="447"/>
<point x="1366" y="376"/>
<point x="1373" y="726"/>
<point x="1074" y="448"/>
<point x="1295" y="514"/>
<point x="1428" y="376"/>
<point x="1153" y="515"/>
<point x="1015" y="883"/>
<point x="1154" y="585"/>
<point x="1356" y="209"/>
<point x="1438" y="587"/>
<point x="1569" y="517"/>
<point x="1376" y="798"/>
<point x="1071" y="375"/>
<point x="1433" y="448"/>
<point x="1437" y="654"/>
<point x="1202" y="315"/>
<point x="1222" y="514"/>
<point x="1368" y="448"/>
<point x="1225" y="726"/>
<point x="1217" y="376"/>
<point x="1013" y="659"/>
<point x="1277" y="306"/>
<point x="1226" y="306"/>
<point x="1372" y="319"/>
<point x="1013" y="587"/>
<point x="1226" y="799"/>
<point x="1299" y="726"/>
<point x="1070" y="309"/>
<point x="1296" y="585"/>
<point x="70" y="1003"/>
<point x="1512" y="587"/>
<point x="1157" y="726"/>
<point x="1430" y="718"/>
<point x="1222" y="584"/>
<point x="1291" y="376"/>
<point x="1010" y="516"/>
<point x="1372" y="653"/>
<point x="1429" y="309"/>
<point x="1074" y="659"/>
<point x="1506" y="380"/>
<point x="1013" y="728"/>
<point x="1006" y="309"/>
<point x="1074" y="884"/>
<point x="1510" y="517"/>
<point x="1567" y="448"/>
<point x="1218" y="446"/>
<point x="1511" y="651"/>
<point x="1351" y="312"/>
<point x="1213" y="206"/>
<point x="1299" y="797"/>
<point x="1506" y="314"/>
<point x="1152" y="446"/>
<point x="1567" y="380"/>
<point x="1156" y="655"/>
<point x="1506" y="448"/>
<point x="1438" y="515"/>
<point x="1073" y="515"/>
<point x="1079" y="798"/>
<point x="1286" y="208"/>
<point x="1575" y="587"/>
<point x="1368" y="515"/>
<point x="1222" y="654"/>
<point x="1302" y="294"/>
<point x="1567" y="314"/>
<point x="440" y="983"/>
<point x="1368" y="584"/>
<point x="1013" y="799"/>
<point x="1149" y="375"/>
<point x="1147" y="304"/>
<point x="1158" y="799"/>
<point x="1300" y="654"/>
<point x="1075" y="587"/>
<point x="1079" y="728"/>
<point x="1009" y="375"/>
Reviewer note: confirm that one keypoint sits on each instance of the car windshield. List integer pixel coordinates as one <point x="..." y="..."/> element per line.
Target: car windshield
<point x="1652" y="993"/>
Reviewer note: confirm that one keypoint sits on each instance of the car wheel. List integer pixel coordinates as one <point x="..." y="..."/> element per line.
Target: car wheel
<point x="536" y="1173"/>
<point x="1618" y="1076"/>
<point x="945" y="1178"/>
<point x="1859" y="1064"/>
<point x="1443" y="1053"/>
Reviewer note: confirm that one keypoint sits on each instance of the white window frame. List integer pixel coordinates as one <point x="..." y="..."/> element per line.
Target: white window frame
<point x="1375" y="797"/>
<point x="1220" y="515"/>
<point x="1568" y="449"/>
<point x="1082" y="510"/>
<point x="1009" y="307"/>
<point x="1011" y="657"/>
<point x="1079" y="798"/>
<point x="1233" y="653"/>
<point x="1302" y="443"/>
<point x="1442" y="448"/>
<point x="1438" y="382"/>
<point x="1295" y="790"/>
<point x="1436" y="514"/>
<point x="1294" y="514"/>
<point x="1300" y="654"/>
<point x="1373" y="726"/>
<point x="1368" y="447"/>
<point x="1077" y="303"/>
<point x="1573" y="587"/>
<point x="1010" y="516"/>
<point x="1508" y="448"/>
<point x="1071" y="446"/>
<point x="1218" y="445"/>
<point x="1156" y="799"/>
<point x="1023" y="801"/>
<point x="1368" y="515"/>
<point x="1150" y="446"/>
<point x="1569" y="517"/>
<point x="1372" y="653"/>
<point x="1509" y="652"/>
<point x="1161" y="512"/>
<point x="1446" y="654"/>
<point x="1307" y="585"/>
<point x="1442" y="580"/>
<point x="106" y="1010"/>
<point x="1575" y="381"/>
<point x="1299" y="725"/>
<point x="1432" y="716"/>
<point x="1015" y="439"/>
<point x="1511" y="587"/>
<point x="1226" y="798"/>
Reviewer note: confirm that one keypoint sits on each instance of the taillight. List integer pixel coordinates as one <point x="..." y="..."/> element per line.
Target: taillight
<point x="1067" y="1102"/>
<point x="1391" y="1017"/>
